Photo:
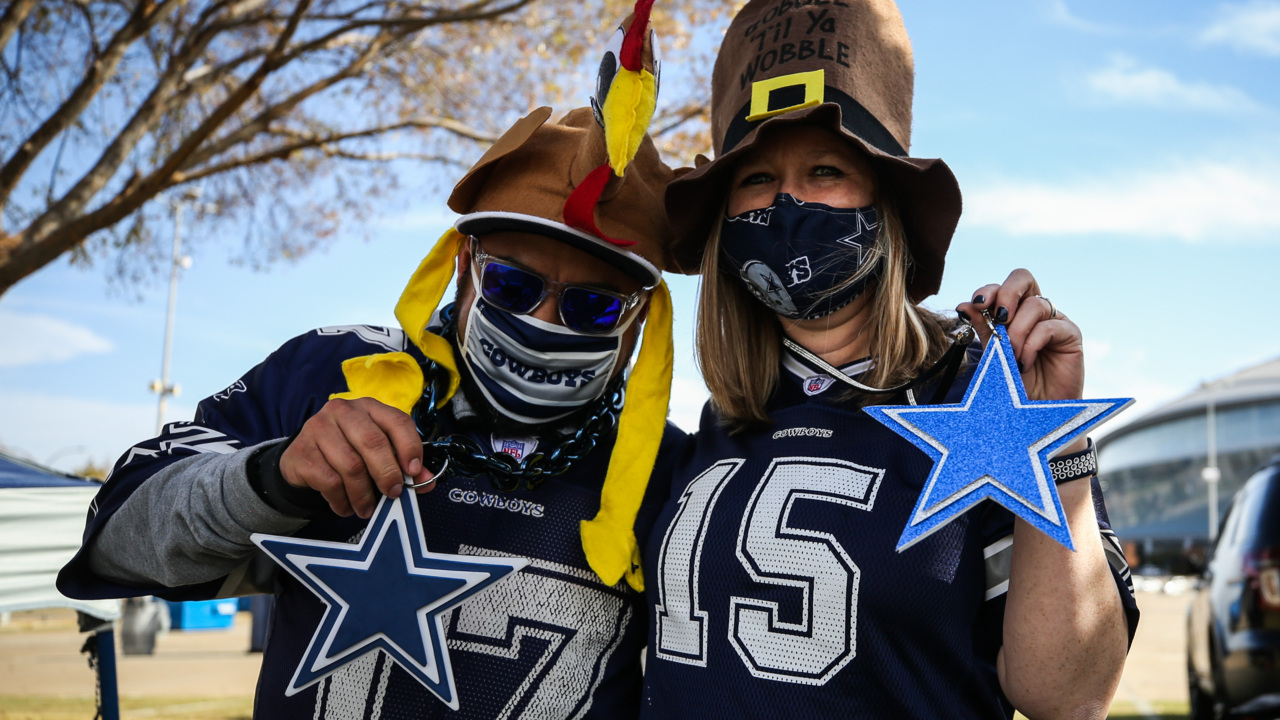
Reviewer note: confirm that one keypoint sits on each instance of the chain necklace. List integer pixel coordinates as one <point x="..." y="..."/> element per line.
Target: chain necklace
<point x="461" y="455"/>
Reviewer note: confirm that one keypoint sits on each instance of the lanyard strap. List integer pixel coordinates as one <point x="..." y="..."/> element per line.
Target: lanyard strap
<point x="950" y="360"/>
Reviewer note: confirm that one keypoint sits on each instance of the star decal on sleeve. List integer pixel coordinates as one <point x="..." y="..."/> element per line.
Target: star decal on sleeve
<point x="386" y="592"/>
<point x="996" y="443"/>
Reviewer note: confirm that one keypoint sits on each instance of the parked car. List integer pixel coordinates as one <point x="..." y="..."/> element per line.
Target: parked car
<point x="1233" y="624"/>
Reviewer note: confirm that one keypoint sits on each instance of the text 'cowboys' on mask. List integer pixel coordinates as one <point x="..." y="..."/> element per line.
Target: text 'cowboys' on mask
<point x="798" y="258"/>
<point x="535" y="371"/>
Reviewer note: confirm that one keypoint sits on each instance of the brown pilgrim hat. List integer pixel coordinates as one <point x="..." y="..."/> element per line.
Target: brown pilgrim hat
<point x="844" y="65"/>
<point x="523" y="182"/>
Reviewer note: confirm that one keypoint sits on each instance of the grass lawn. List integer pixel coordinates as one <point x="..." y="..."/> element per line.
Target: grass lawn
<point x="1125" y="710"/>
<point x="1164" y="710"/>
<point x="17" y="707"/>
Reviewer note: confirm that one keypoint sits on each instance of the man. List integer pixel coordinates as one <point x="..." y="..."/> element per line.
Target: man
<point x="546" y="315"/>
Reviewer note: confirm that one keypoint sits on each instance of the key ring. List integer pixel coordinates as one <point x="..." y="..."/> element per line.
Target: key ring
<point x="408" y="482"/>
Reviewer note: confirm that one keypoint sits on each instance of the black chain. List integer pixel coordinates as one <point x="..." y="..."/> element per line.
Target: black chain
<point x="462" y="455"/>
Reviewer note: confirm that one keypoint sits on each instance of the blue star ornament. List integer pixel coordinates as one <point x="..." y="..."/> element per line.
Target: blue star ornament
<point x="996" y="443"/>
<point x="386" y="592"/>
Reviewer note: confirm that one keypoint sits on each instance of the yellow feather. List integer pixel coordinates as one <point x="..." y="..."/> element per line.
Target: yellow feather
<point x="395" y="378"/>
<point x="390" y="378"/>
<point x="609" y="539"/>
<point x="421" y="297"/>
<point x="628" y="108"/>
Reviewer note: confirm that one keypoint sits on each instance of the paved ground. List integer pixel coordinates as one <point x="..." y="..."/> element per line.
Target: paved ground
<point x="39" y="656"/>
<point x="1157" y="666"/>
<point x="44" y="659"/>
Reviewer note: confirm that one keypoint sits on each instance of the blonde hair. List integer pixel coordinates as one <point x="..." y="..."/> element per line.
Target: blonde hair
<point x="739" y="340"/>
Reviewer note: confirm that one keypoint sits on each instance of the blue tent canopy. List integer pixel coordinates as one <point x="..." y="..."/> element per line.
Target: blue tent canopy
<point x="42" y="515"/>
<point x="16" y="473"/>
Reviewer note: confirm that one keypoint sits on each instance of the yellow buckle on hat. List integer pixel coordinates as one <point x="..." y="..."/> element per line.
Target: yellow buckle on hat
<point x="814" y="84"/>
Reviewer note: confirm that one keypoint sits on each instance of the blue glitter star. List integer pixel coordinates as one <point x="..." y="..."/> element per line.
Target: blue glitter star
<point x="385" y="592"/>
<point x="996" y="443"/>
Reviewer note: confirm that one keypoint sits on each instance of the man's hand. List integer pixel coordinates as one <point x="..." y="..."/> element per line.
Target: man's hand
<point x="353" y="452"/>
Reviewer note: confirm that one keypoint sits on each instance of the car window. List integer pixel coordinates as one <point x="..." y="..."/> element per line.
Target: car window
<point x="1264" y="511"/>
<point x="1240" y="523"/>
<point x="1221" y="544"/>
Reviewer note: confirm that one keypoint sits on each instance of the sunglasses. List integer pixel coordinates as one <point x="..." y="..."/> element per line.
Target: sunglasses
<point x="517" y="290"/>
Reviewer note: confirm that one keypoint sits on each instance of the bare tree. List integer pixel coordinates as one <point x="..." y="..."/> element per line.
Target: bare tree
<point x="291" y="114"/>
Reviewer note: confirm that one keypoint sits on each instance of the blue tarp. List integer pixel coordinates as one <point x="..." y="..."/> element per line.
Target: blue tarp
<point x="42" y="514"/>
<point x="15" y="473"/>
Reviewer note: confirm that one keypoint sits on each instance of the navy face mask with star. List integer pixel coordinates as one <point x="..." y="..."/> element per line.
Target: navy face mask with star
<point x="795" y="256"/>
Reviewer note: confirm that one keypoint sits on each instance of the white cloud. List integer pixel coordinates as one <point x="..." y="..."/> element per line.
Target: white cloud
<point x="41" y="339"/>
<point x="1127" y="82"/>
<point x="429" y="221"/>
<point x="1251" y="28"/>
<point x="1195" y="202"/>
<point x="1060" y="14"/>
<point x="70" y="431"/>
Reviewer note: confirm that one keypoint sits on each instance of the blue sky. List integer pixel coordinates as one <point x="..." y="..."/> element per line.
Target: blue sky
<point x="1127" y="153"/>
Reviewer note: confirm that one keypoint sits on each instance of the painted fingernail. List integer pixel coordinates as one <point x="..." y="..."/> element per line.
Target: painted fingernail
<point x="964" y="315"/>
<point x="1002" y="315"/>
<point x="979" y="299"/>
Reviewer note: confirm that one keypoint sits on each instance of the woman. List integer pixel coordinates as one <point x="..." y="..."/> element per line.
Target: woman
<point x="772" y="574"/>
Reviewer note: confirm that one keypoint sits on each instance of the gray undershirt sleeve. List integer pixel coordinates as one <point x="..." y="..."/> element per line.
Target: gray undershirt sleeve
<point x="189" y="523"/>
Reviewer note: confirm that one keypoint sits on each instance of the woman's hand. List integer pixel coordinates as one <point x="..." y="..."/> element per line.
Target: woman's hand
<point x="1064" y="625"/>
<point x="1048" y="346"/>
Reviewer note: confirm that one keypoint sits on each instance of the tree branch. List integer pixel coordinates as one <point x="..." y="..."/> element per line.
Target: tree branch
<point x="328" y="144"/>
<point x="424" y="123"/>
<point x="673" y="119"/>
<point x="61" y="225"/>
<point x="95" y="77"/>
<point x="262" y="121"/>
<point x="137" y="193"/>
<point x="12" y="19"/>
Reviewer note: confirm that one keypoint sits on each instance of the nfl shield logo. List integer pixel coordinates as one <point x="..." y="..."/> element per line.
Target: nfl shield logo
<point x="817" y="384"/>
<point x="515" y="447"/>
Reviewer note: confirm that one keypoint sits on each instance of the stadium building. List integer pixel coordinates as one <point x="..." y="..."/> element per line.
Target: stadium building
<point x="1153" y="469"/>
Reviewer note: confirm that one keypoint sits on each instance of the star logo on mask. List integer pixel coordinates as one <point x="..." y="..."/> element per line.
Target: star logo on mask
<point x="767" y="286"/>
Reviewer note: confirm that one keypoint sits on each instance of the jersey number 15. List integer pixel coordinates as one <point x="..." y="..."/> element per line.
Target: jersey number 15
<point x="774" y="552"/>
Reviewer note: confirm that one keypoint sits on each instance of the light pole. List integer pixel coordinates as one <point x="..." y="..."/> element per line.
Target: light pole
<point x="163" y="387"/>
<point x="1211" y="474"/>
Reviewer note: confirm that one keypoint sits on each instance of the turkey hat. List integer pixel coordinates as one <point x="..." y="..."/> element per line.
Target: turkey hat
<point x="523" y="181"/>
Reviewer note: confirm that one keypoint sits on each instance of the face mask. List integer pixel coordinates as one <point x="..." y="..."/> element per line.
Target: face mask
<point x="533" y="371"/>
<point x="794" y="255"/>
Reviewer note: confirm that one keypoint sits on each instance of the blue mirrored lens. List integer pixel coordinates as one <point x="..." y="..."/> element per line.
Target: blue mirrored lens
<point x="510" y="288"/>
<point x="590" y="312"/>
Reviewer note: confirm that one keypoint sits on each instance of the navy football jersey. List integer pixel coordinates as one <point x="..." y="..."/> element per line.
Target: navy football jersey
<point x="775" y="589"/>
<point x="551" y="641"/>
